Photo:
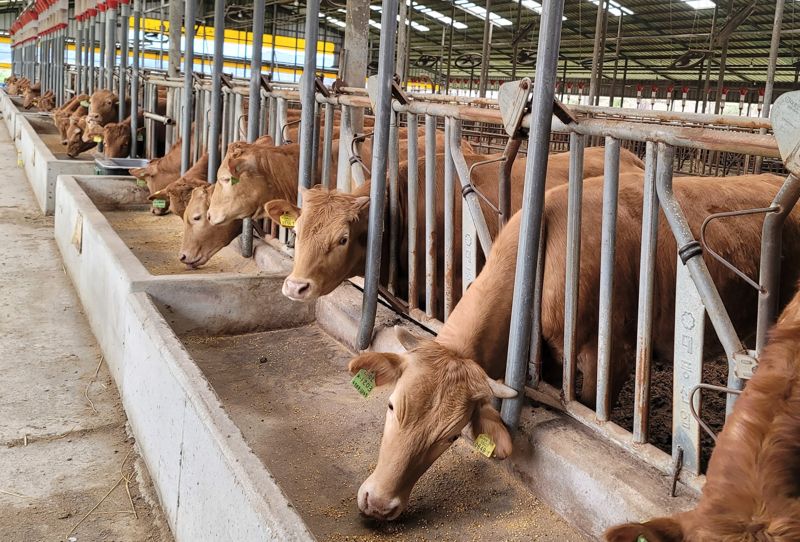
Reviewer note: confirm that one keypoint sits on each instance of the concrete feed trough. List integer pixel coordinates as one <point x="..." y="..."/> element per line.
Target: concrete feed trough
<point x="243" y="411"/>
<point x="40" y="152"/>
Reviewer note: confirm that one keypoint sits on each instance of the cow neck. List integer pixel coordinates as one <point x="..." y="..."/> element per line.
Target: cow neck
<point x="282" y="156"/>
<point x="365" y="190"/>
<point x="478" y="326"/>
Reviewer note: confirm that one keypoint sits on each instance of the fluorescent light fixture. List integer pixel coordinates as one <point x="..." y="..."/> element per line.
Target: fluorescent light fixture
<point x="415" y="25"/>
<point x="616" y="9"/>
<point x="700" y="4"/>
<point x="335" y="21"/>
<point x="476" y="10"/>
<point x="534" y="6"/>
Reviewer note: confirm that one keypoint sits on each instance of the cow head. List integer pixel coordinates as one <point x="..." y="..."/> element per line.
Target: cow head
<point x="30" y="95"/>
<point x="75" y="143"/>
<point x="47" y="101"/>
<point x="93" y="132"/>
<point x="436" y="395"/>
<point x="179" y="194"/>
<point x="241" y="190"/>
<point x="103" y="107"/>
<point x="201" y="238"/>
<point x="330" y="242"/>
<point x="117" y="139"/>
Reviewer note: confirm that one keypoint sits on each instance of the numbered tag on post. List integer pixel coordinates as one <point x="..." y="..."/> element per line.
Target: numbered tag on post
<point x="287" y="220"/>
<point x="485" y="445"/>
<point x="159" y="203"/>
<point x="364" y="382"/>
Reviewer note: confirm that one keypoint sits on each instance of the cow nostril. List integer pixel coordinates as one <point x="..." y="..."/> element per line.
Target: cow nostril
<point x="183" y="257"/>
<point x="303" y="288"/>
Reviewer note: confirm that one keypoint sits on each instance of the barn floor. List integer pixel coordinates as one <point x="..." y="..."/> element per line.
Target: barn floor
<point x="63" y="438"/>
<point x="319" y="438"/>
<point x="156" y="242"/>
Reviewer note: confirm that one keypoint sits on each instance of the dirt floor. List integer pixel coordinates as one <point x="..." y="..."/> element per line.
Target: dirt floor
<point x="47" y="131"/>
<point x="319" y="438"/>
<point x="156" y="241"/>
<point x="63" y="438"/>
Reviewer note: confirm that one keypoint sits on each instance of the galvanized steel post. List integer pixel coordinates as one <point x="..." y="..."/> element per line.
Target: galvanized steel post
<point x="188" y="68"/>
<point x="215" y="122"/>
<point x="101" y="39"/>
<point x="123" y="56"/>
<point x="111" y="46"/>
<point x="383" y="110"/>
<point x="137" y="15"/>
<point x="307" y="97"/>
<point x="412" y="123"/>
<point x="774" y="48"/>
<point x="431" y="234"/>
<point x="91" y="61"/>
<point x="486" y="50"/>
<point x="176" y="9"/>
<point x="532" y="206"/>
<point x="254" y="107"/>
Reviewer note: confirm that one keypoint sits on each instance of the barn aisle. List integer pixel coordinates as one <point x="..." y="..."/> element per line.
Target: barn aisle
<point x="63" y="441"/>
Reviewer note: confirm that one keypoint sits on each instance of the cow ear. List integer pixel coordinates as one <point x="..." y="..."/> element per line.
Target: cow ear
<point x="160" y="194"/>
<point x="486" y="421"/>
<point x="386" y="367"/>
<point x="277" y="208"/>
<point x="242" y="163"/>
<point x="361" y="205"/>
<point x="406" y="338"/>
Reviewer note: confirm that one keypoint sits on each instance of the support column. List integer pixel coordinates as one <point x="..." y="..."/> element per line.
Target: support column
<point x="254" y="107"/>
<point x="125" y="11"/>
<point x="176" y="8"/>
<point x="216" y="92"/>
<point x="111" y="45"/>
<point x="188" y="101"/>
<point x="307" y="92"/>
<point x="137" y="14"/>
<point x="486" y="51"/>
<point x="597" y="54"/>
<point x="774" y="47"/>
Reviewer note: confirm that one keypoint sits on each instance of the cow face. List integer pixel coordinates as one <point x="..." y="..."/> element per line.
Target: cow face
<point x="93" y="131"/>
<point x="103" y="107"/>
<point x="201" y="238"/>
<point x="241" y="190"/>
<point x="117" y="139"/>
<point x="179" y="194"/>
<point x="75" y="143"/>
<point x="436" y="395"/>
<point x="330" y="243"/>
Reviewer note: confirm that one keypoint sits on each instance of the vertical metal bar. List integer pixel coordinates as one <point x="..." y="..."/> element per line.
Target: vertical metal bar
<point x="608" y="253"/>
<point x="412" y="122"/>
<point x="280" y="121"/>
<point x="111" y="48"/>
<point x="504" y="186"/>
<point x="535" y="349"/>
<point x="254" y="107"/>
<point x="597" y="54"/>
<point x="486" y="50"/>
<point x="689" y="250"/>
<point x="174" y="52"/>
<point x="774" y="48"/>
<point x="188" y="68"/>
<point x="307" y="93"/>
<point x="533" y="205"/>
<point x="572" y="271"/>
<point x="90" y="58"/>
<point x="315" y="140"/>
<point x="123" y="58"/>
<point x="394" y="202"/>
<point x="430" y="216"/>
<point x="449" y="214"/>
<point x="647" y="272"/>
<point x="378" y="185"/>
<point x="137" y="15"/>
<point x="215" y="124"/>
<point x="770" y="272"/>
<point x="327" y="148"/>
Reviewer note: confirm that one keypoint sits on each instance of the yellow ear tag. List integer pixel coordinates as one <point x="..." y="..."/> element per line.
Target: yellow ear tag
<point x="287" y="220"/>
<point x="141" y="182"/>
<point x="364" y="382"/>
<point x="85" y="103"/>
<point x="97" y="139"/>
<point x="234" y="180"/>
<point x="485" y="445"/>
<point x="159" y="203"/>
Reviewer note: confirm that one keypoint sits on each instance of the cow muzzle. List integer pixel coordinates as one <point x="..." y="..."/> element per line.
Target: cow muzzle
<point x="298" y="289"/>
<point x="373" y="505"/>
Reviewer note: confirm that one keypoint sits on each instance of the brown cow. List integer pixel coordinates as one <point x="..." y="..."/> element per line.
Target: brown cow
<point x="62" y="115"/>
<point x="30" y="95"/>
<point x="178" y="193"/>
<point x="443" y="385"/>
<point x="319" y="268"/>
<point x="75" y="143"/>
<point x="103" y="107"/>
<point x="18" y="86"/>
<point x="46" y="102"/>
<point x="160" y="172"/>
<point x="116" y="136"/>
<point x="752" y="489"/>
<point x="201" y="239"/>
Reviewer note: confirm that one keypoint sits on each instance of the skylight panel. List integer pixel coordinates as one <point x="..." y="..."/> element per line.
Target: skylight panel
<point x="534" y="6"/>
<point x="476" y="10"/>
<point x="616" y="9"/>
<point x="335" y="21"/>
<point x="700" y="4"/>
<point x="433" y="14"/>
<point x="415" y="25"/>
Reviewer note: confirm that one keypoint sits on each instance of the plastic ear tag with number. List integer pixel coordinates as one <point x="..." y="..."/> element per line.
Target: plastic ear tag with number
<point x="364" y="382"/>
<point x="234" y="180"/>
<point x="641" y="538"/>
<point x="287" y="220"/>
<point x="141" y="182"/>
<point x="139" y="137"/>
<point x="485" y="445"/>
<point x="85" y="103"/>
<point x="159" y="203"/>
<point x="97" y="139"/>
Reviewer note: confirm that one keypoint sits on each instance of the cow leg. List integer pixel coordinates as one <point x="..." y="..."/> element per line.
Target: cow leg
<point x="587" y="365"/>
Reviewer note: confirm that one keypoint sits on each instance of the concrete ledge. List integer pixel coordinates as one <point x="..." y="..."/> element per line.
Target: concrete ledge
<point x="41" y="166"/>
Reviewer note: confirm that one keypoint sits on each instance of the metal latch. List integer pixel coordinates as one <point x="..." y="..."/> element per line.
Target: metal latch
<point x="745" y="364"/>
<point x="514" y="100"/>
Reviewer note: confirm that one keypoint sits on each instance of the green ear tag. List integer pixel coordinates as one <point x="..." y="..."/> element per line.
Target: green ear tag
<point x="141" y="182"/>
<point x="287" y="220"/>
<point x="85" y="103"/>
<point x="641" y="538"/>
<point x="234" y="180"/>
<point x="485" y="445"/>
<point x="159" y="203"/>
<point x="364" y="381"/>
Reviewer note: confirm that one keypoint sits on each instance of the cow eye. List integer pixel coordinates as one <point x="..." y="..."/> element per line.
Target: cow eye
<point x="197" y="218"/>
<point x="343" y="241"/>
